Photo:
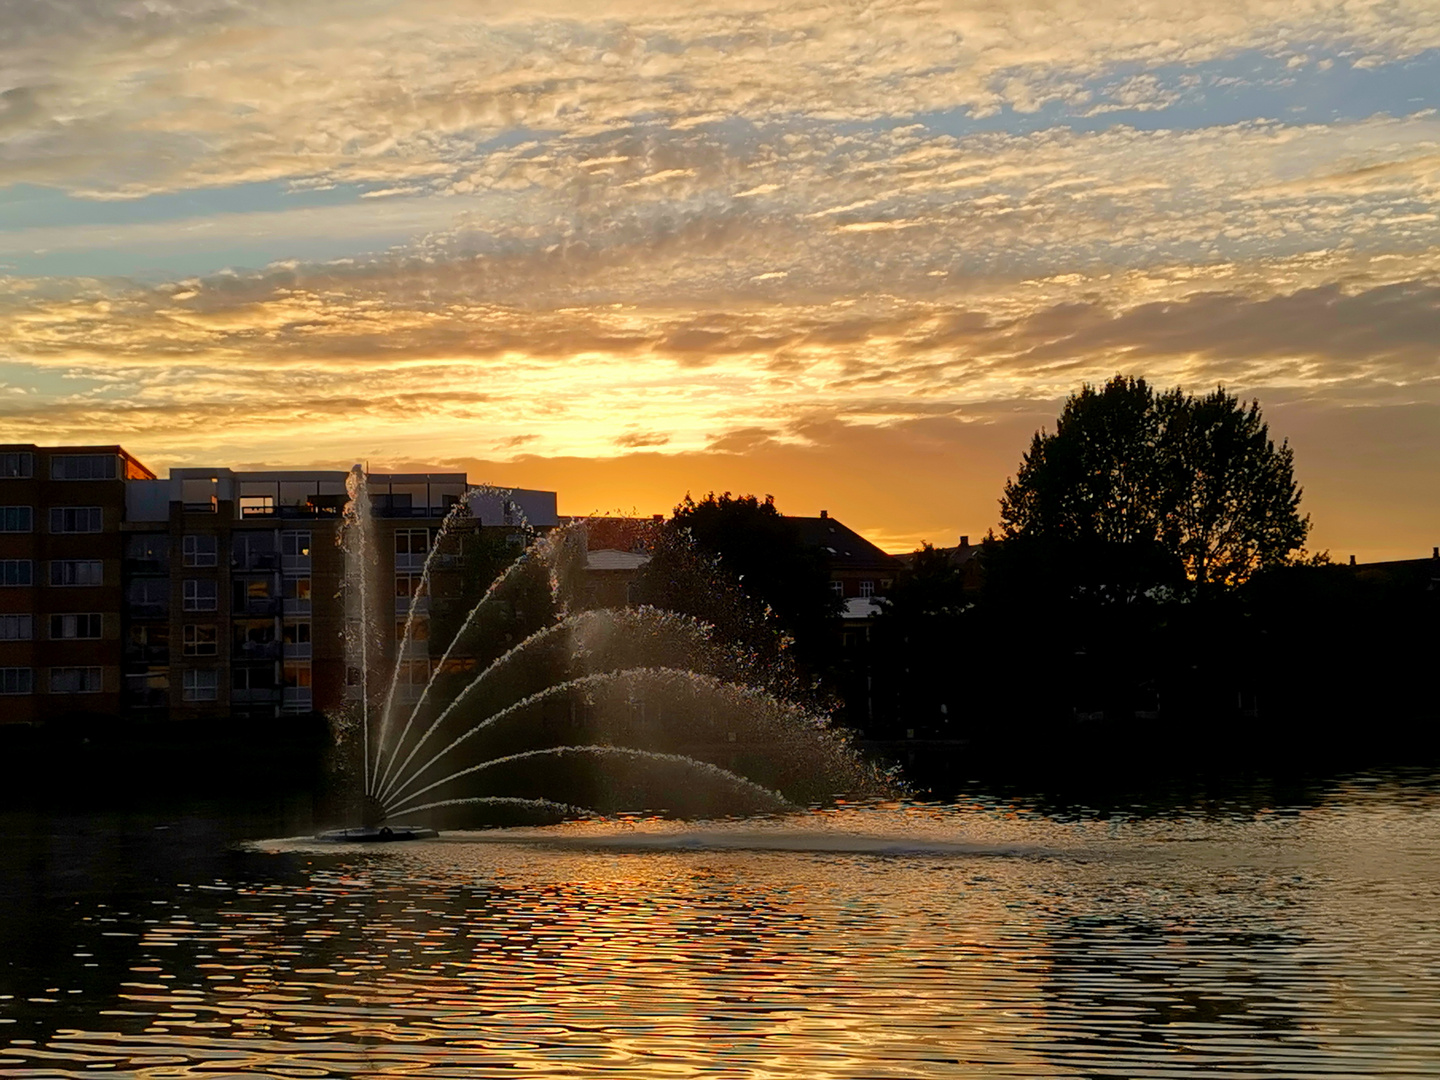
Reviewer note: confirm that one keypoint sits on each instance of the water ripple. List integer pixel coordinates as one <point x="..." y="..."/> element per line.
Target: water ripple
<point x="894" y="941"/>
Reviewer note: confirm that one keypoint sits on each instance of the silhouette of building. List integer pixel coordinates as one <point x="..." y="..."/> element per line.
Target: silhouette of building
<point x="964" y="557"/>
<point x="62" y="512"/>
<point x="215" y="592"/>
<point x="858" y="569"/>
<point x="1415" y="575"/>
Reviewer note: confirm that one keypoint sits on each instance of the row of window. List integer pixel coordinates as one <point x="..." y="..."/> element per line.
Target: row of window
<point x="63" y="519"/>
<point x="78" y="626"/>
<point x="247" y="549"/>
<point x="199" y="684"/>
<point x="867" y="588"/>
<point x="204" y="640"/>
<point x="203" y="684"/>
<point x="152" y="595"/>
<point x="21" y="465"/>
<point x="63" y="680"/>
<point x="62" y="572"/>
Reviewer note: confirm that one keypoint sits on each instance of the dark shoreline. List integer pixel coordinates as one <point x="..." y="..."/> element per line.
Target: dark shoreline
<point x="289" y="764"/>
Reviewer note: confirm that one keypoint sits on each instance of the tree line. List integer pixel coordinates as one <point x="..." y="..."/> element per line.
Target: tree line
<point x="1148" y="593"/>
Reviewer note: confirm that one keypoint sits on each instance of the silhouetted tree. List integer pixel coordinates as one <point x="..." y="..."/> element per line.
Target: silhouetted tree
<point x="1200" y="477"/>
<point x="684" y="577"/>
<point x="765" y="552"/>
<point x="919" y="639"/>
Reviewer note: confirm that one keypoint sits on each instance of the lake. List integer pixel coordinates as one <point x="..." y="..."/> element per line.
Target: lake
<point x="1259" y="933"/>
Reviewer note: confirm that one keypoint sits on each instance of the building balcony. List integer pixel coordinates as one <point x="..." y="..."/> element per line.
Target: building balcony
<point x="264" y="695"/>
<point x="256" y="650"/>
<point x="266" y="561"/>
<point x="295" y="563"/>
<point x="298" y="699"/>
<point x="297" y="650"/>
<point x="145" y="698"/>
<point x="294" y="606"/>
<point x="252" y="605"/>
<point x="409" y="561"/>
<point x="402" y="605"/>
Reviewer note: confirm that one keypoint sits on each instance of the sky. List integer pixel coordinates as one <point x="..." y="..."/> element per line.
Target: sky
<point x="851" y="254"/>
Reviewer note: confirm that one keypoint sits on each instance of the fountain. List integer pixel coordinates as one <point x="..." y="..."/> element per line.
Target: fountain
<point x="541" y="708"/>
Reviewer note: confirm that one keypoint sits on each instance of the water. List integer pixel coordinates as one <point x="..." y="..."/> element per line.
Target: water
<point x="1247" y="937"/>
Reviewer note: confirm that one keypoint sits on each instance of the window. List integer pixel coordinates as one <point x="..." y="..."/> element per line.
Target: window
<point x="253" y="638"/>
<point x="251" y="589"/>
<point x="411" y="546"/>
<point x="152" y="549"/>
<point x="76" y="571"/>
<point x="867" y="588"/>
<point x="84" y="467"/>
<point x="412" y="673"/>
<point x="199" y="595"/>
<point x="86" y="625"/>
<point x="148" y="641"/>
<point x="201" y="684"/>
<point x="148" y="597"/>
<point x="198" y="550"/>
<point x="17" y="466"/>
<point x="75" y="680"/>
<point x="17" y="518"/>
<point x="17" y="680"/>
<point x="838" y="588"/>
<point x="257" y="505"/>
<point x="297" y="633"/>
<point x="16" y="572"/>
<point x="17" y="627"/>
<point x="296" y="595"/>
<point x="255" y="677"/>
<point x="297" y="675"/>
<point x="253" y="550"/>
<point x="200" y="640"/>
<point x="419" y="629"/>
<point x="76" y="519"/>
<point x="295" y="546"/>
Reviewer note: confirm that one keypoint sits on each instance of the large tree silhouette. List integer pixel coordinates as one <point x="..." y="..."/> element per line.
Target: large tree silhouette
<point x="1200" y="477"/>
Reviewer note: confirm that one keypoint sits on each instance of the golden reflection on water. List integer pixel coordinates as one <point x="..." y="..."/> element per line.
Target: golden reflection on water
<point x="903" y="941"/>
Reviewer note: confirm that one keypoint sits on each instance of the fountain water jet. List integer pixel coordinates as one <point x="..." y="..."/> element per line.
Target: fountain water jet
<point x="591" y="711"/>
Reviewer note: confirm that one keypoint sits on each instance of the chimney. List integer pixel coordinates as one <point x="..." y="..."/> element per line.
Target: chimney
<point x="1352" y="560"/>
<point x="657" y="517"/>
<point x="1435" y="553"/>
<point x="964" y="542"/>
<point x="824" y="513"/>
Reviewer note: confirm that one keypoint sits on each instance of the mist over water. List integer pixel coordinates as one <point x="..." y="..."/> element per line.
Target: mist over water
<point x="1247" y="937"/>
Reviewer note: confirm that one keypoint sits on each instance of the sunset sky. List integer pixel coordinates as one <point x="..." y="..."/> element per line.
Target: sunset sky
<point x="848" y="253"/>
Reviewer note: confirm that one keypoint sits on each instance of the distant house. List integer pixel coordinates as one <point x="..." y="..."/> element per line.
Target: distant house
<point x="609" y="574"/>
<point x="1410" y="575"/>
<point x="964" y="556"/>
<point x="858" y="569"/>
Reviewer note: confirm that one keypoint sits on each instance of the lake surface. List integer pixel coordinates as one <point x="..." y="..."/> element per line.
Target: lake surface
<point x="1253" y="937"/>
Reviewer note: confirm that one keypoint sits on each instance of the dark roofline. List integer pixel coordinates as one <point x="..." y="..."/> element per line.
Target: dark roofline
<point x="842" y="546"/>
<point x="87" y="448"/>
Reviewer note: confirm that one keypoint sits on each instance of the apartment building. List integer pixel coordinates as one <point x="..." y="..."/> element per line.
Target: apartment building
<point x="62" y="511"/>
<point x="217" y="593"/>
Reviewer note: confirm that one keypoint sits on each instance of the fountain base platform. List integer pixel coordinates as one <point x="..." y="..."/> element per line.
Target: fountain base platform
<point x="386" y="834"/>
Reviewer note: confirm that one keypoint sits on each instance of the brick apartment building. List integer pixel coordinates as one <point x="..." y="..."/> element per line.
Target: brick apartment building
<point x="213" y="593"/>
<point x="61" y="633"/>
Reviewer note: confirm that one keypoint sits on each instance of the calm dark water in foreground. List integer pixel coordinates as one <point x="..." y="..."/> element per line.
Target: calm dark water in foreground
<point x="976" y="938"/>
